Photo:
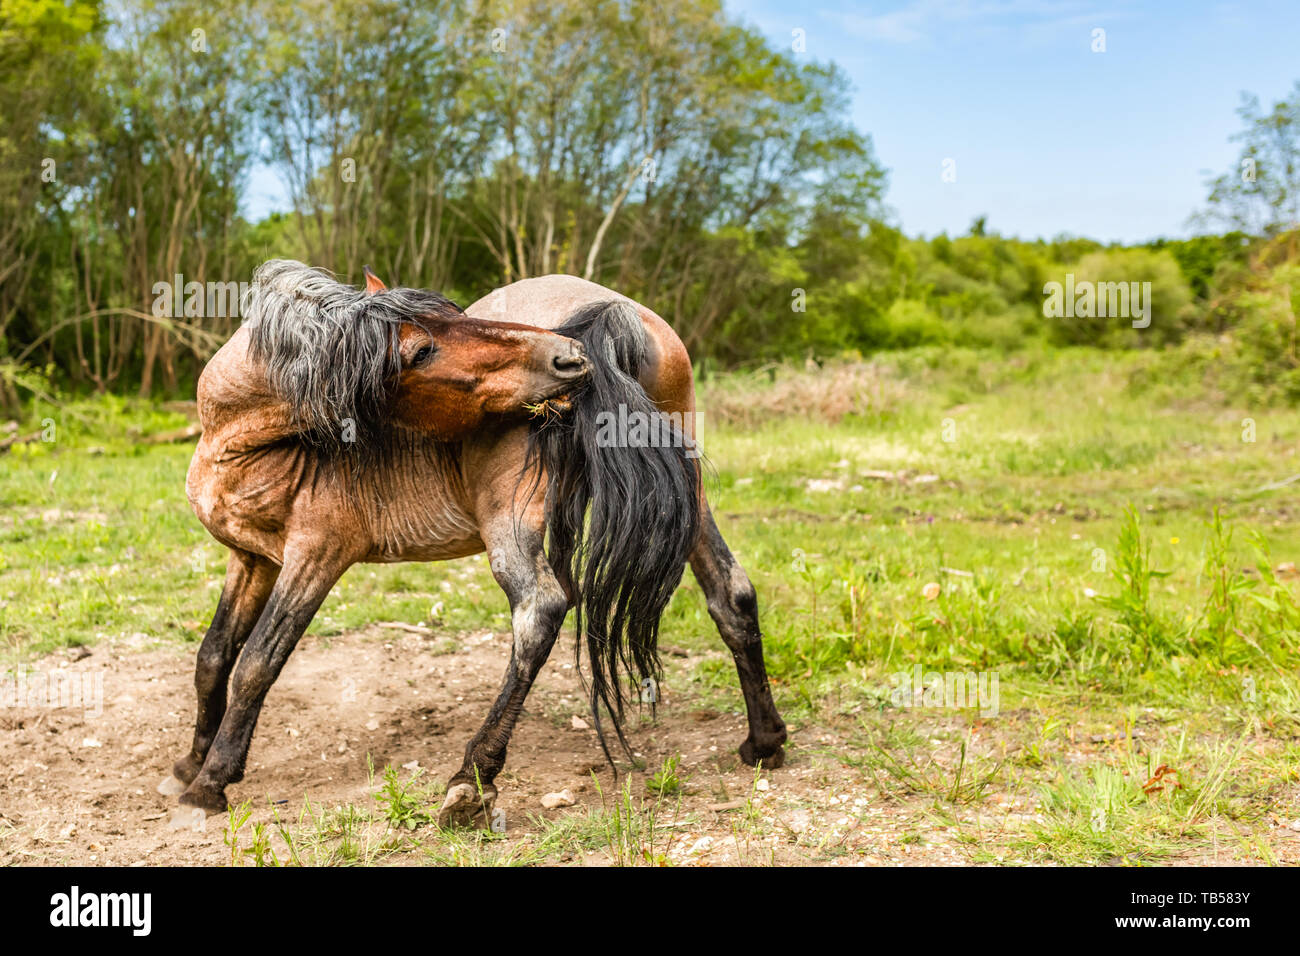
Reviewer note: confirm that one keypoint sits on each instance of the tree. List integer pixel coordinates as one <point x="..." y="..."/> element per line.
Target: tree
<point x="1261" y="196"/>
<point x="39" y="129"/>
<point x="656" y="146"/>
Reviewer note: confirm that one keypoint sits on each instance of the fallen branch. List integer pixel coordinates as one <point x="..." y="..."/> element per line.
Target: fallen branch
<point x="7" y="443"/>
<point x="728" y="805"/>
<point x="1275" y="485"/>
<point x="187" y="407"/>
<point x="411" y="628"/>
<point x="180" y="434"/>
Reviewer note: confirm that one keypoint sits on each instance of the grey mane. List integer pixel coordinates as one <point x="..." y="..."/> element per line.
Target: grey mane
<point x="330" y="350"/>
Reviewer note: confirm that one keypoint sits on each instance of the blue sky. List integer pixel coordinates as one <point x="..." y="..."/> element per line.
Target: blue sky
<point x="1047" y="136"/>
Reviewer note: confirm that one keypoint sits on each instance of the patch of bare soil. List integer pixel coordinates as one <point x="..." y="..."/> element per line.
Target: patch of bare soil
<point x="77" y="783"/>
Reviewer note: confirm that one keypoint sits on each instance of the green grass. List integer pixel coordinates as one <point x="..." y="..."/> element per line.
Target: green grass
<point x="625" y="830"/>
<point x="1106" y="554"/>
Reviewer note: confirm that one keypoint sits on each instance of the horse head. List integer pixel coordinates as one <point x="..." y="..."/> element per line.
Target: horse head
<point x="354" y="361"/>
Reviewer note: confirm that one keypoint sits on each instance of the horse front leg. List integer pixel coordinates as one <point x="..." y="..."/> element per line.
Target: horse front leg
<point x="297" y="594"/>
<point x="249" y="579"/>
<point x="537" y="609"/>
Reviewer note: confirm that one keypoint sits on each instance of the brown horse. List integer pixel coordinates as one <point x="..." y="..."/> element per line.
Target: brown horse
<point x="345" y="426"/>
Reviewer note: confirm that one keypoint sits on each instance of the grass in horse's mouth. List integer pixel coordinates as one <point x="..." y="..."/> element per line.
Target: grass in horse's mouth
<point x="551" y="407"/>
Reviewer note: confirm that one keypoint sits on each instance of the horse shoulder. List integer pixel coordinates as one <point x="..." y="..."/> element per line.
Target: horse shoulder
<point x="244" y="479"/>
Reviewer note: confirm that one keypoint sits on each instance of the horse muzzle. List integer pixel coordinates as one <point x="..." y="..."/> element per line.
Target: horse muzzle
<point x="570" y="364"/>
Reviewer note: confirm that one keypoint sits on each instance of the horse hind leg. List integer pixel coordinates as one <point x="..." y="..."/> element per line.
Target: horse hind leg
<point x="733" y="605"/>
<point x="249" y="579"/>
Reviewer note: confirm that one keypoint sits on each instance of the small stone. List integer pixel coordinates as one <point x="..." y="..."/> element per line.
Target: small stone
<point x="579" y="724"/>
<point x="825" y="484"/>
<point x="90" y="742"/>
<point x="762" y="786"/>
<point x="565" y="798"/>
<point x="800" y="821"/>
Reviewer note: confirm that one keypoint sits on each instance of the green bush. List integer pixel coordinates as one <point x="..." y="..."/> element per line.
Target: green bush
<point x="1170" y="308"/>
<point x="1254" y="362"/>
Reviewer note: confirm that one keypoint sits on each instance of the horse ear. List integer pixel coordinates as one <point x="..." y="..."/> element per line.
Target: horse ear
<point x="373" y="282"/>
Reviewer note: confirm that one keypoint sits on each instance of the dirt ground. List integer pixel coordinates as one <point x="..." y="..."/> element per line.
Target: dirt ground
<point x="79" y="788"/>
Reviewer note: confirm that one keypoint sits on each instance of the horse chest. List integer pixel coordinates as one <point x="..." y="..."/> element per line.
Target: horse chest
<point x="247" y="500"/>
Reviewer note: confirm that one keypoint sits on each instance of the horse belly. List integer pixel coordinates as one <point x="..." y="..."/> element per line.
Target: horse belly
<point x="444" y="551"/>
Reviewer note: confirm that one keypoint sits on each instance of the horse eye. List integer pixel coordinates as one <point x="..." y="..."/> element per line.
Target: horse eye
<point x="422" y="356"/>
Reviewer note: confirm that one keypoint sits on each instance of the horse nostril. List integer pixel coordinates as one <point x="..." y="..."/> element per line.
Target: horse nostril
<point x="571" y="365"/>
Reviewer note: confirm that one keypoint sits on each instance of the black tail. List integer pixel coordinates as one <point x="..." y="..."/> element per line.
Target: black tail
<point x="622" y="515"/>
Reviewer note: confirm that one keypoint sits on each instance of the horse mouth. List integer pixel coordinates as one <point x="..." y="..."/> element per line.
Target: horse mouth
<point x="551" y="408"/>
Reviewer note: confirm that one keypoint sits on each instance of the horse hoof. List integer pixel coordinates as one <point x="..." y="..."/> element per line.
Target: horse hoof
<point x="466" y="807"/>
<point x="193" y="819"/>
<point x="171" y="787"/>
<point x="771" y="760"/>
<point x="204" y="800"/>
